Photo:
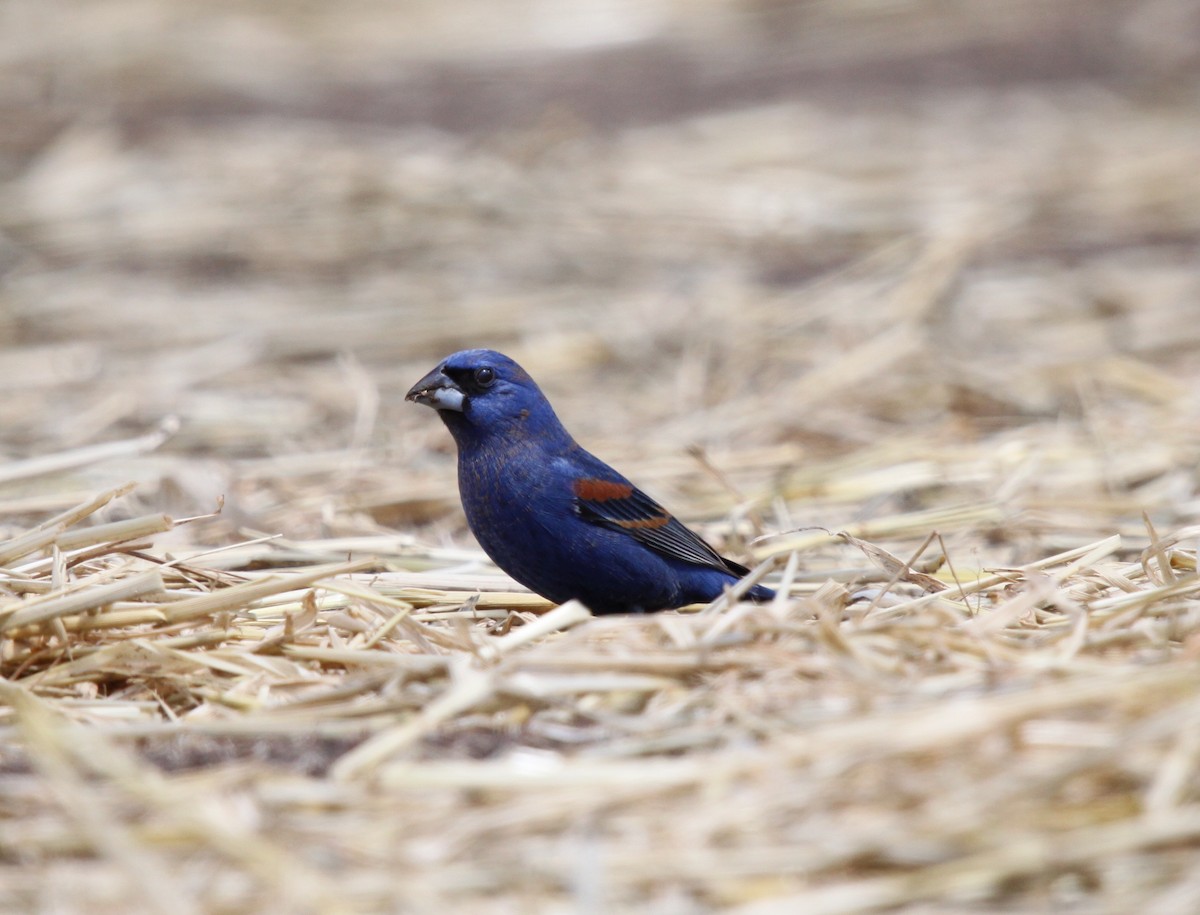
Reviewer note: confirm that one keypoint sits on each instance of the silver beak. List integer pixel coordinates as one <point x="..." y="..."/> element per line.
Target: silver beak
<point x="437" y="390"/>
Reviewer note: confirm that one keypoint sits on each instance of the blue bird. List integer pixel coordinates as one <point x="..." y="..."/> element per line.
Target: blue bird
<point x="554" y="517"/>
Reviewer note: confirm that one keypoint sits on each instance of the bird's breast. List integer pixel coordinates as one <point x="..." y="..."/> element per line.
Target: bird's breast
<point x="509" y="492"/>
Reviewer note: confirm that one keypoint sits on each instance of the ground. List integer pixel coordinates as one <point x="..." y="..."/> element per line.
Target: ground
<point x="896" y="302"/>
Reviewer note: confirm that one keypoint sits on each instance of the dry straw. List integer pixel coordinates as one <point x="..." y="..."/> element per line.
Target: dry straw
<point x="895" y="302"/>
<point x="950" y="734"/>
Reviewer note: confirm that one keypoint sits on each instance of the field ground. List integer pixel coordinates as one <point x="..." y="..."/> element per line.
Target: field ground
<point x="898" y="301"/>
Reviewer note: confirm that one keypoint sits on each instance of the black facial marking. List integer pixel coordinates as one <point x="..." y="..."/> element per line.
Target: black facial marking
<point x="472" y="380"/>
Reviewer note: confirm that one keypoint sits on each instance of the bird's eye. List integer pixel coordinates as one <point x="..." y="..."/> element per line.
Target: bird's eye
<point x="485" y="376"/>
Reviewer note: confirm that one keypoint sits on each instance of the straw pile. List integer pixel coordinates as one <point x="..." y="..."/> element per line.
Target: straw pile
<point x="920" y="348"/>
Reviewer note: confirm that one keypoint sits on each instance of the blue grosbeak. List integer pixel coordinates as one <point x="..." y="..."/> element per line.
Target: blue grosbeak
<point x="558" y="520"/>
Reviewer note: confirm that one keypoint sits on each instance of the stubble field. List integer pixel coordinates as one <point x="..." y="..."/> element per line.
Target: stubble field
<point x="897" y="303"/>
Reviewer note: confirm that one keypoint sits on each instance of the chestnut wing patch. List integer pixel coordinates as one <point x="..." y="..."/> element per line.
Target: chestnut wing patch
<point x="623" y="507"/>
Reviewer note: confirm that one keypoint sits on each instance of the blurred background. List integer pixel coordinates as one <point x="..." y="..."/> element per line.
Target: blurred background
<point x="894" y="267"/>
<point x="784" y="235"/>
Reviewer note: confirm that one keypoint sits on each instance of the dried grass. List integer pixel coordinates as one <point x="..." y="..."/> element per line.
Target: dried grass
<point x="305" y="734"/>
<point x="923" y="354"/>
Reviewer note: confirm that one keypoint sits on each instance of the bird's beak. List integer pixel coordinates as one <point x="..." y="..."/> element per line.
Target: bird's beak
<point x="437" y="390"/>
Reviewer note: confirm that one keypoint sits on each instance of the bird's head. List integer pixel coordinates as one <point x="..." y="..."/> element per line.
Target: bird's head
<point x="480" y="393"/>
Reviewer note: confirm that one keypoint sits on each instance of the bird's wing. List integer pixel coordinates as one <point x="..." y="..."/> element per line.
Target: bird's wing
<point x="620" y="505"/>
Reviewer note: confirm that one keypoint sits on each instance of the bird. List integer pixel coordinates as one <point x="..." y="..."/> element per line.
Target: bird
<point x="553" y="516"/>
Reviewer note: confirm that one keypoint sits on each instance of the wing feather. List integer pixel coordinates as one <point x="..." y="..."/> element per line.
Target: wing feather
<point x="622" y="506"/>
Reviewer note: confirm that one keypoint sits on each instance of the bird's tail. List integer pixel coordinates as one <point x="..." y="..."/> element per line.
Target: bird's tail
<point x="760" y="594"/>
